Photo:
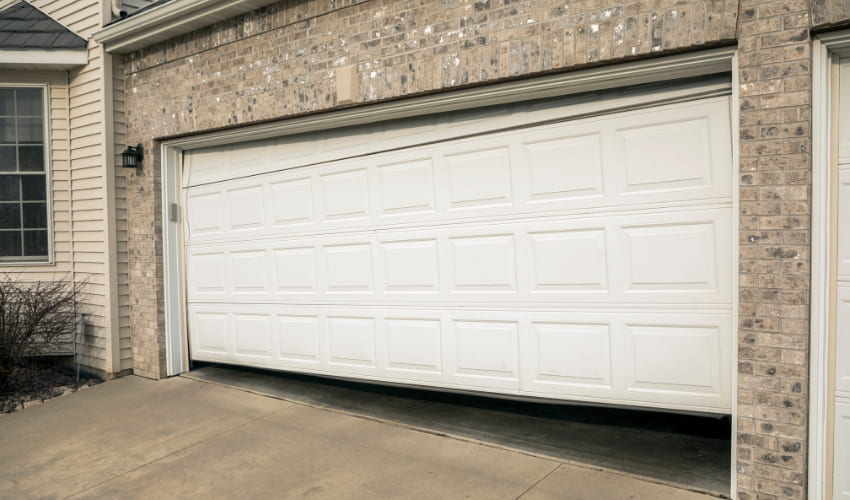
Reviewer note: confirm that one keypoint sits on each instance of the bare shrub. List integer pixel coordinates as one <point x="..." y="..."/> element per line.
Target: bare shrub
<point x="35" y="317"/>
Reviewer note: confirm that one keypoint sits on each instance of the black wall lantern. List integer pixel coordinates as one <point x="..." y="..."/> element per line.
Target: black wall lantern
<point x="132" y="156"/>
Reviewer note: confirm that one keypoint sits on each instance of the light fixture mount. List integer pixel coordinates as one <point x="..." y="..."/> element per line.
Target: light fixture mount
<point x="132" y="156"/>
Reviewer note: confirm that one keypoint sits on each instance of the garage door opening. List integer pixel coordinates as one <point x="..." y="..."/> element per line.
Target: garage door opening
<point x="687" y="451"/>
<point x="579" y="248"/>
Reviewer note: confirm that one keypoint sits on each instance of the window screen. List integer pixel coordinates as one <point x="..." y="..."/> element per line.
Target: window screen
<point x="23" y="180"/>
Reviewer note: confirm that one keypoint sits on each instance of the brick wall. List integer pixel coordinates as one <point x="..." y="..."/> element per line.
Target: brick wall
<point x="281" y="61"/>
<point x="774" y="39"/>
<point x="830" y="13"/>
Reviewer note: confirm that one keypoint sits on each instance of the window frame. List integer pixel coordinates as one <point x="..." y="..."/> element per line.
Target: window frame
<point x="48" y="180"/>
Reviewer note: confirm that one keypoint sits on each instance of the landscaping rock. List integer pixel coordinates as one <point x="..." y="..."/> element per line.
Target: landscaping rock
<point x="34" y="384"/>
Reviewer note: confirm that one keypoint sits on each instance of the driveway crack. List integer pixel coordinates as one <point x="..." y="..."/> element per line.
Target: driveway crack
<point x="557" y="466"/>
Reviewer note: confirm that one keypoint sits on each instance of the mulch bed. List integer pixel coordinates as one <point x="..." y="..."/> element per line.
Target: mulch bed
<point x="39" y="381"/>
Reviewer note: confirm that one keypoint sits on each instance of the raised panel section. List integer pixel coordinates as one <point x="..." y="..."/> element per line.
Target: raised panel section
<point x="564" y="168"/>
<point x="246" y="207"/>
<point x="414" y="344"/>
<point x="572" y="353"/>
<point x="844" y="112"/>
<point x="250" y="271"/>
<point x="486" y="349"/>
<point x="843" y="264"/>
<point x="672" y="257"/>
<point x="211" y="332"/>
<point x="207" y="272"/>
<point x="569" y="261"/>
<point x="295" y="269"/>
<point x="842" y="357"/>
<point x="205" y="213"/>
<point x="483" y="263"/>
<point x="346" y="195"/>
<point x="407" y="187"/>
<point x="411" y="266"/>
<point x="252" y="334"/>
<point x="298" y="338"/>
<point x="352" y="341"/>
<point x="292" y="202"/>
<point x="676" y="359"/>
<point x="841" y="478"/>
<point x="667" y="156"/>
<point x="479" y="178"/>
<point x="349" y="268"/>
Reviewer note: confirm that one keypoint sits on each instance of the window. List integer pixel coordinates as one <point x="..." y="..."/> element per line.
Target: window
<point x="23" y="178"/>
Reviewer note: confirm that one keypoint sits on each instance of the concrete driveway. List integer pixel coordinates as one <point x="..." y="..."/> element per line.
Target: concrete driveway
<point x="182" y="438"/>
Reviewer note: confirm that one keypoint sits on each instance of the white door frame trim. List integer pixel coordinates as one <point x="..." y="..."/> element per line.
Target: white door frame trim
<point x="825" y="46"/>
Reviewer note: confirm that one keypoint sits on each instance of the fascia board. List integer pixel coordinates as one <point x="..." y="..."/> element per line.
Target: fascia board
<point x="43" y="59"/>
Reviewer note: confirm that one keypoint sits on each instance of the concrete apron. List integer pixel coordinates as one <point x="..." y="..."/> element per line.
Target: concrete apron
<point x="687" y="452"/>
<point x="175" y="438"/>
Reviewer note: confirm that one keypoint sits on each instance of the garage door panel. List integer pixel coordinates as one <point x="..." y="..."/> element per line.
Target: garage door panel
<point x="680" y="257"/>
<point x="843" y="257"/>
<point x="672" y="257"/>
<point x="564" y="167"/>
<point x="414" y="345"/>
<point x="571" y="356"/>
<point x="842" y="347"/>
<point x="624" y="356"/>
<point x="291" y="202"/>
<point x="841" y="478"/>
<point x="211" y="334"/>
<point x="486" y="350"/>
<point x="569" y="260"/>
<point x="406" y="186"/>
<point x="298" y="339"/>
<point x="589" y="259"/>
<point x="252" y="336"/>
<point x="549" y="168"/>
<point x="345" y="194"/>
<point x="351" y="341"/>
<point x="678" y="359"/>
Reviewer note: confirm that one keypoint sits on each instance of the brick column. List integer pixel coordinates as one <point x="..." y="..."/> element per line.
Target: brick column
<point x="144" y="233"/>
<point x="775" y="137"/>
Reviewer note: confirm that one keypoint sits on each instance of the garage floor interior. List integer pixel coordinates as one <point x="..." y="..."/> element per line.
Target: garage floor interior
<point x="693" y="452"/>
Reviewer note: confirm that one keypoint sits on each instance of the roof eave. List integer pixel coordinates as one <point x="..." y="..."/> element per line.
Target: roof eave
<point x="44" y="59"/>
<point x="169" y="20"/>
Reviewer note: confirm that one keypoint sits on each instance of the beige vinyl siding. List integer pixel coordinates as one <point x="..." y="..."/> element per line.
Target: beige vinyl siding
<point x="120" y="194"/>
<point x="85" y="225"/>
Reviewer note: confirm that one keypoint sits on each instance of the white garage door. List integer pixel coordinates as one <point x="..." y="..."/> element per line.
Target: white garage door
<point x="588" y="259"/>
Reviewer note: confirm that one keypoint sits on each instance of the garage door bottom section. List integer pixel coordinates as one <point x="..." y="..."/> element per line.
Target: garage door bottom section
<point x="587" y="260"/>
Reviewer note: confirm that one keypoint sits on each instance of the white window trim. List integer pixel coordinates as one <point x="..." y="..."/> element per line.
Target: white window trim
<point x="825" y="48"/>
<point x="48" y="181"/>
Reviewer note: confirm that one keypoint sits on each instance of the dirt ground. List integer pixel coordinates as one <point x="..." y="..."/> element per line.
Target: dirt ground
<point x="38" y="381"/>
